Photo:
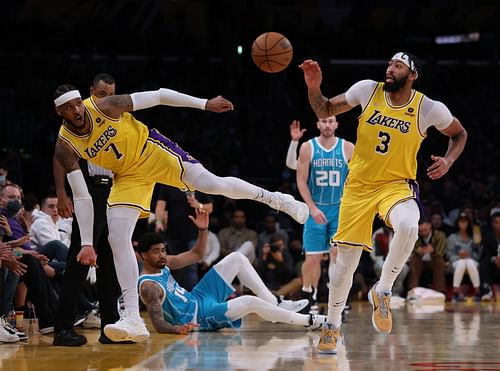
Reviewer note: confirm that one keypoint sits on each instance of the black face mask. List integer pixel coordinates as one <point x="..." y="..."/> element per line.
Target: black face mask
<point x="13" y="207"/>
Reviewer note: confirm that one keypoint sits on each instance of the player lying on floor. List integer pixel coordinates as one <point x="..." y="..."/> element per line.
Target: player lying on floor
<point x="172" y="309"/>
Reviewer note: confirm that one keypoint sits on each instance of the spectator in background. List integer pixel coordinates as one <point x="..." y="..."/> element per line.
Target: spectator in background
<point x="47" y="237"/>
<point x="463" y="254"/>
<point x="438" y="225"/>
<point x="3" y="176"/>
<point x="271" y="228"/>
<point x="274" y="263"/>
<point x="429" y="253"/>
<point x="490" y="258"/>
<point x="173" y="207"/>
<point x="237" y="237"/>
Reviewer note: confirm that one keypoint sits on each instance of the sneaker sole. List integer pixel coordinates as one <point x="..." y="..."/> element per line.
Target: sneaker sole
<point x="327" y="351"/>
<point x="370" y="299"/>
<point x="119" y="335"/>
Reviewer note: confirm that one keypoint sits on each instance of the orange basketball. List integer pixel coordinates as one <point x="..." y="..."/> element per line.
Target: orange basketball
<point x="272" y="52"/>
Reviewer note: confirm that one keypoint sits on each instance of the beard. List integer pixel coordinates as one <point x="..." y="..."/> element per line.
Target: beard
<point x="396" y="85"/>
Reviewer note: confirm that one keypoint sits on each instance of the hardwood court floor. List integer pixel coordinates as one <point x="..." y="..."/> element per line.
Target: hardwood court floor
<point x="452" y="337"/>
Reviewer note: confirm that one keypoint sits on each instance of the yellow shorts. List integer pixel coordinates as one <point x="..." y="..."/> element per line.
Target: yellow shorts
<point x="359" y="205"/>
<point x="160" y="162"/>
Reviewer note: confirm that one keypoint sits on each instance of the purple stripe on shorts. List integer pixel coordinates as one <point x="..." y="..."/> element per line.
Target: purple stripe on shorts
<point x="171" y="146"/>
<point x="416" y="189"/>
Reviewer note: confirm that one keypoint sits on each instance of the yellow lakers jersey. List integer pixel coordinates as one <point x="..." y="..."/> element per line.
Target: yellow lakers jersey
<point x="114" y="144"/>
<point x="388" y="139"/>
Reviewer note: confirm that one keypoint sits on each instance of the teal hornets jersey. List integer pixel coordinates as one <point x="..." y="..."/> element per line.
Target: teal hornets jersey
<point x="179" y="306"/>
<point x="327" y="172"/>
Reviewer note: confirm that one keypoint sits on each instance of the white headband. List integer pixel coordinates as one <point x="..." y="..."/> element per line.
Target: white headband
<point x="66" y="97"/>
<point x="405" y="58"/>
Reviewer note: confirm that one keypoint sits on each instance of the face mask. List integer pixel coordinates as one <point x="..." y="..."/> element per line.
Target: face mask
<point x="13" y="207"/>
<point x="3" y="180"/>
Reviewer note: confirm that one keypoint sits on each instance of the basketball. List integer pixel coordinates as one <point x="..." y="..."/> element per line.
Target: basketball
<point x="272" y="52"/>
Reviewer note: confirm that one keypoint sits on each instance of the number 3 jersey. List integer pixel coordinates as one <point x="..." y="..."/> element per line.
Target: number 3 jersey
<point x="114" y="144"/>
<point x="388" y="139"/>
<point x="327" y="172"/>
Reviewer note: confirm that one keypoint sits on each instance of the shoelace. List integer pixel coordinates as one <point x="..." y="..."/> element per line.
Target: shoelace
<point x="384" y="305"/>
<point x="329" y="336"/>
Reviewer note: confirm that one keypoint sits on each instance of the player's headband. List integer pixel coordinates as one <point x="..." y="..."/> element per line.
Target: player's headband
<point x="405" y="58"/>
<point x="66" y="97"/>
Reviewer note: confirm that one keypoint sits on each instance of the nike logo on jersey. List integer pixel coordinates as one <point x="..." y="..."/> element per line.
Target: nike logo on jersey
<point x="378" y="119"/>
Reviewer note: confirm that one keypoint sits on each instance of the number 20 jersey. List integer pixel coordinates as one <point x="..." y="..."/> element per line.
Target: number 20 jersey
<point x="327" y="172"/>
<point x="388" y="139"/>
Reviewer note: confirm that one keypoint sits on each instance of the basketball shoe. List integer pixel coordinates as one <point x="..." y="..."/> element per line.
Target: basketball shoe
<point x="316" y="322"/>
<point x="329" y="339"/>
<point x="381" y="316"/>
<point x="292" y="305"/>
<point x="285" y="202"/>
<point x="129" y="327"/>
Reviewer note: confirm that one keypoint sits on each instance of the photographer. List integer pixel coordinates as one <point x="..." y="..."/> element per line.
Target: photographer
<point x="275" y="264"/>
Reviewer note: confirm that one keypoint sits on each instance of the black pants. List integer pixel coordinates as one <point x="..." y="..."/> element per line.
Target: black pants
<point x="107" y="284"/>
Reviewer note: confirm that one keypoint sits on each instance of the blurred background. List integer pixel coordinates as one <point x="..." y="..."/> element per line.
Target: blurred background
<point x="192" y="46"/>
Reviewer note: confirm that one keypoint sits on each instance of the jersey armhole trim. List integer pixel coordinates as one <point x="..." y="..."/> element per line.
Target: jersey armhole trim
<point x="420" y="103"/>
<point x="369" y="99"/>
<point x="102" y="113"/>
<point x="67" y="141"/>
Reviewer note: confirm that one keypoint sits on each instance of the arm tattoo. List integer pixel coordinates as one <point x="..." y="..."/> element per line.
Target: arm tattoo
<point x="66" y="156"/>
<point x="151" y="294"/>
<point x="320" y="104"/>
<point x="115" y="105"/>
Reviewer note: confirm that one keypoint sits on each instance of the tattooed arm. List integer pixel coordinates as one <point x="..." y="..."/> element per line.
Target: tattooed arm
<point x="152" y="295"/>
<point x="322" y="106"/>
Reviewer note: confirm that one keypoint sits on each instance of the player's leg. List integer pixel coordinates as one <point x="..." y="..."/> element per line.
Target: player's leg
<point x="197" y="177"/>
<point x="237" y="265"/>
<point x="311" y="272"/>
<point x="240" y="307"/>
<point x="121" y="224"/>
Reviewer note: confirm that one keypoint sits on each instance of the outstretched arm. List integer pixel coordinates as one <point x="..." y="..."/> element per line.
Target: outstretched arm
<point x="115" y="105"/>
<point x="322" y="106"/>
<point x="198" y="251"/>
<point x="84" y="208"/>
<point x="152" y="294"/>
<point x="458" y="137"/>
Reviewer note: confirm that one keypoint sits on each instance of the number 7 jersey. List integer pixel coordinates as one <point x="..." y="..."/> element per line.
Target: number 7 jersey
<point x="388" y="139"/>
<point x="327" y="172"/>
<point x="114" y="144"/>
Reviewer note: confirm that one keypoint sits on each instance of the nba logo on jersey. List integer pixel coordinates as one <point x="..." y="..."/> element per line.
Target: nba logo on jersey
<point x="327" y="172"/>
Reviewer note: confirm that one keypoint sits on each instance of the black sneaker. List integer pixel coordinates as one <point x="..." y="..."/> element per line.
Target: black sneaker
<point x="68" y="338"/>
<point x="103" y="339"/>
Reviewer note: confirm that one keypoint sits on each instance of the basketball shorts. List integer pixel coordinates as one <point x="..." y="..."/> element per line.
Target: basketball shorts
<point x="360" y="203"/>
<point x="211" y="293"/>
<point x="161" y="161"/>
<point x="316" y="237"/>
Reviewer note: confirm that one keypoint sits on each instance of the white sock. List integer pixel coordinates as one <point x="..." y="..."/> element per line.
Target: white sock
<point x="237" y="264"/>
<point x="246" y="304"/>
<point x="121" y="224"/>
<point x="404" y="219"/>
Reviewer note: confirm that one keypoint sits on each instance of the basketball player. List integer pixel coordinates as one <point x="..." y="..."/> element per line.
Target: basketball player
<point x="99" y="184"/>
<point x="173" y="309"/>
<point x="393" y="122"/>
<point x="321" y="173"/>
<point x="105" y="134"/>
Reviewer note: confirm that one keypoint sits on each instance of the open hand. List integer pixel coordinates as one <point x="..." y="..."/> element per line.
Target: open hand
<point x="295" y="131"/>
<point x="440" y="167"/>
<point x="312" y="73"/>
<point x="201" y="220"/>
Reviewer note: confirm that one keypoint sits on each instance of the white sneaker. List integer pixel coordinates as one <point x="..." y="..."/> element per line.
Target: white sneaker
<point x="93" y="320"/>
<point x="7" y="337"/>
<point x="129" y="327"/>
<point x="12" y="330"/>
<point x="293" y="305"/>
<point x="285" y="202"/>
<point x="316" y="321"/>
